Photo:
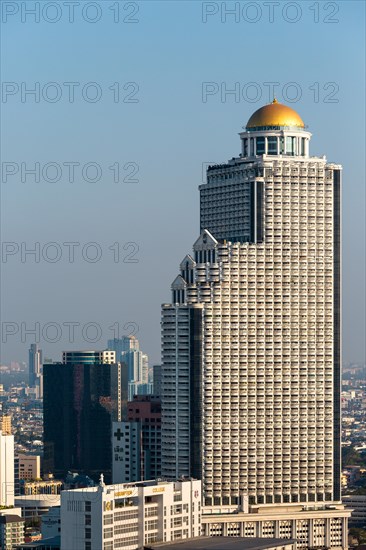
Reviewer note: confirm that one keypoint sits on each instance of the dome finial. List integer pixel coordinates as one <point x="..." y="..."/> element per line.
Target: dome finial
<point x="274" y="100"/>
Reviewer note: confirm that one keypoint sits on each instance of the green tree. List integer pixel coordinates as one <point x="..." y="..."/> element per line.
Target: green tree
<point x="359" y="534"/>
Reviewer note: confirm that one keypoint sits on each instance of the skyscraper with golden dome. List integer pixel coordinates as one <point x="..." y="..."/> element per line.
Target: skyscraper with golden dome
<point x="251" y="360"/>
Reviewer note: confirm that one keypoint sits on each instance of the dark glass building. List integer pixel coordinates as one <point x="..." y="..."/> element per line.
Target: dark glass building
<point x="82" y="396"/>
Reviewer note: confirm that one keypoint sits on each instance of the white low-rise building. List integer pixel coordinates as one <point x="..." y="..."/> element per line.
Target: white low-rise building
<point x="315" y="526"/>
<point x="51" y="523"/>
<point x="128" y="516"/>
<point x="36" y="505"/>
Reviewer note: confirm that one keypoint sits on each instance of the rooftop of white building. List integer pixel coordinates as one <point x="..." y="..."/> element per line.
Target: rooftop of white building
<point x="223" y="543"/>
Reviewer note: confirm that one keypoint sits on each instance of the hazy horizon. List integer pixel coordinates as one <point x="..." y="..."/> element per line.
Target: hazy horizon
<point x="132" y="107"/>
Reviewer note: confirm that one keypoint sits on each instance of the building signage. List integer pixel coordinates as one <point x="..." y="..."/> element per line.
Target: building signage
<point x="123" y="493"/>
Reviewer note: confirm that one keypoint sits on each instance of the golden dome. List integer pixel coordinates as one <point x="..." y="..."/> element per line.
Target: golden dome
<point x="275" y="114"/>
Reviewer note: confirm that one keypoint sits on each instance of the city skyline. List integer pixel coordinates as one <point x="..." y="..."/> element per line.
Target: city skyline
<point x="185" y="368"/>
<point x="194" y="118"/>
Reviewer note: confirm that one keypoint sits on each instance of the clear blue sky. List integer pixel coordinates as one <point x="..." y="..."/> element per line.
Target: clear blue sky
<point x="169" y="133"/>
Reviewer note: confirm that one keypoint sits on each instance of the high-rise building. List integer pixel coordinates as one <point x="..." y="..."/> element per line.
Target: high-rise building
<point x="123" y="345"/>
<point x="252" y="339"/>
<point x="35" y="364"/>
<point x="157" y="380"/>
<point x="145" y="368"/>
<point x="139" y="388"/>
<point x="82" y="396"/>
<point x="137" y="442"/>
<point x="6" y="470"/>
<point x="138" y="366"/>
<point x="128" y="350"/>
<point x="16" y="476"/>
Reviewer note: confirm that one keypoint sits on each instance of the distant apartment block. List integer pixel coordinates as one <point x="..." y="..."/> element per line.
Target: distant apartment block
<point x="137" y="442"/>
<point x="127" y="349"/>
<point x="35" y="369"/>
<point x="357" y="503"/>
<point x="5" y="424"/>
<point x="11" y="531"/>
<point x="29" y="467"/>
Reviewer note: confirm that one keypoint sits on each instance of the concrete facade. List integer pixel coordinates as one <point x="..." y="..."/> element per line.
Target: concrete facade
<point x="29" y="467"/>
<point x="129" y="516"/>
<point x="251" y="341"/>
<point x="6" y="470"/>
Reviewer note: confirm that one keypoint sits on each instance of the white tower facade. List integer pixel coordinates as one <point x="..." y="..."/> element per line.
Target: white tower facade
<point x="6" y="470"/>
<point x="251" y="343"/>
